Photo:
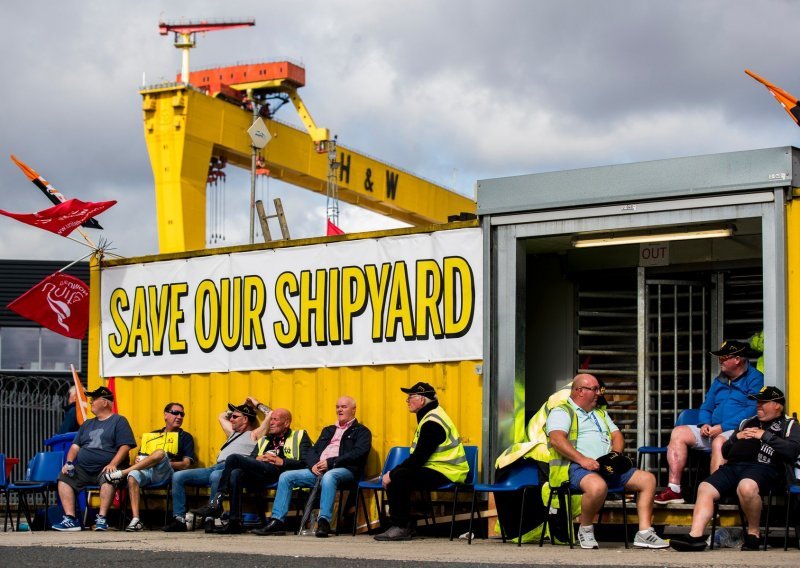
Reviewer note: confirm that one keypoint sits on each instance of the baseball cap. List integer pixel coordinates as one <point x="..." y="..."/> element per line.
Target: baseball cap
<point x="420" y="388"/>
<point x="769" y="394"/>
<point x="101" y="392"/>
<point x="731" y="348"/>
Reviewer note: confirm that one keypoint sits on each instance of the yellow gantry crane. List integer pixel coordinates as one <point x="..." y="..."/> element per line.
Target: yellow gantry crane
<point x="187" y="123"/>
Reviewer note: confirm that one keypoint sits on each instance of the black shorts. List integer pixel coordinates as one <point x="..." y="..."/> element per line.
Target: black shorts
<point x="726" y="479"/>
<point x="81" y="479"/>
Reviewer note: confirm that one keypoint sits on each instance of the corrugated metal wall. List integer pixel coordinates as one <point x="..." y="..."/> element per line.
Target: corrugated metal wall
<point x="311" y="396"/>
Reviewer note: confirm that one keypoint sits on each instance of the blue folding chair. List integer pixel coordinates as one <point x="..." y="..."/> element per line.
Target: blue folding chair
<point x="520" y="475"/>
<point x="4" y="493"/>
<point x="688" y="417"/>
<point x="395" y="457"/>
<point x="792" y="492"/>
<point x="44" y="470"/>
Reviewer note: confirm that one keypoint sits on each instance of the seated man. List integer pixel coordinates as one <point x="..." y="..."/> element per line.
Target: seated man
<point x="239" y="424"/>
<point x="757" y="452"/>
<point x="726" y="405"/>
<point x="343" y="449"/>
<point x="161" y="453"/>
<point x="282" y="449"/>
<point x="101" y="445"/>
<point x="437" y="458"/>
<point x="579" y="433"/>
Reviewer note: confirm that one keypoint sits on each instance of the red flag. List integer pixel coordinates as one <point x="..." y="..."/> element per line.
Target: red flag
<point x="333" y="230"/>
<point x="59" y="302"/>
<point x="64" y="217"/>
<point x="112" y="386"/>
<point x="81" y="402"/>
<point x="50" y="192"/>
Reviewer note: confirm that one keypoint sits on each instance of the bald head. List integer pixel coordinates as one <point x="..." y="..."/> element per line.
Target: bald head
<point x="585" y="391"/>
<point x="279" y="421"/>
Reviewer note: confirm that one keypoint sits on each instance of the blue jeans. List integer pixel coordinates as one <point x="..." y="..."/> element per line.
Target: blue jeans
<point x="305" y="478"/>
<point x="201" y="477"/>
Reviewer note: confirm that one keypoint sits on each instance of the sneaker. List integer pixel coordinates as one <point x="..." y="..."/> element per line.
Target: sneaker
<point x="586" y="539"/>
<point x="688" y="543"/>
<point x="394" y="533"/>
<point x="649" y="539"/>
<point x="177" y="525"/>
<point x="113" y="477"/>
<point x="751" y="542"/>
<point x="135" y="526"/>
<point x="669" y="496"/>
<point x="100" y="523"/>
<point x="67" y="524"/>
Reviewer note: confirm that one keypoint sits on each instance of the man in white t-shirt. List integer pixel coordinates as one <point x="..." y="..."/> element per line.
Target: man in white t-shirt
<point x="579" y="433"/>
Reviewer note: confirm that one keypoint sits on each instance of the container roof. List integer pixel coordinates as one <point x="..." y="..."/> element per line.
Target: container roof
<point x="641" y="181"/>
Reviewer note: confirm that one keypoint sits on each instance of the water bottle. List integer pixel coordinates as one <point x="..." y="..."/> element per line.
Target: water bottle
<point x="70" y="469"/>
<point x="722" y="538"/>
<point x="23" y="527"/>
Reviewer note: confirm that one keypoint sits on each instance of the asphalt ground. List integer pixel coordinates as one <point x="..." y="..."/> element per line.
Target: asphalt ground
<point x="196" y="549"/>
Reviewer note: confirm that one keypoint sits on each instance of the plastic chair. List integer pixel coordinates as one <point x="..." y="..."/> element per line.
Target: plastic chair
<point x="44" y="470"/>
<point x="4" y="493"/>
<point x="520" y="475"/>
<point x="688" y="417"/>
<point x="395" y="457"/>
<point x="791" y="492"/>
<point x="565" y="493"/>
<point x="472" y="459"/>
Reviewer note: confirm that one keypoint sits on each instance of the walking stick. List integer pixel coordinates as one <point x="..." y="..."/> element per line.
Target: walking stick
<point x="309" y="507"/>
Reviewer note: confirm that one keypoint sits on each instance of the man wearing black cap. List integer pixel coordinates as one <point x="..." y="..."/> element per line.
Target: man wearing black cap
<point x="757" y="452"/>
<point x="101" y="445"/>
<point x="726" y="404"/>
<point x="437" y="458"/>
<point x="238" y="423"/>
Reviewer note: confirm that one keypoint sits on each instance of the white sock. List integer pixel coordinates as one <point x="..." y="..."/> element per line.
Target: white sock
<point x="134" y="520"/>
<point x="676" y="487"/>
<point x="589" y="529"/>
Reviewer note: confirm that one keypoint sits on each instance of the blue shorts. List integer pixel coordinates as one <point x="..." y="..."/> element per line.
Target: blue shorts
<point x="161" y="472"/>
<point x="576" y="473"/>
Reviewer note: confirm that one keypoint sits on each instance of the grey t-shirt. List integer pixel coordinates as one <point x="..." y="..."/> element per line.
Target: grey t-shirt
<point x="99" y="441"/>
<point x="241" y="443"/>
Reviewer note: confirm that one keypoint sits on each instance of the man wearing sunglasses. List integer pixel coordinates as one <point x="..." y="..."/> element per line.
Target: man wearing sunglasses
<point x="101" y="445"/>
<point x="240" y="424"/>
<point x="161" y="453"/>
<point x="727" y="403"/>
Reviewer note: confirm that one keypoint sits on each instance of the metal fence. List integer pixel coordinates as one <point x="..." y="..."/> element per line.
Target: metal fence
<point x="31" y="411"/>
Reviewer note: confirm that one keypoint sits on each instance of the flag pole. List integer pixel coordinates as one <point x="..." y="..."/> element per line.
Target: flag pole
<point x="73" y="263"/>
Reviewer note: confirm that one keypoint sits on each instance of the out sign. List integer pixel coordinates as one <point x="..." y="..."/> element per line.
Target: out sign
<point x="654" y="254"/>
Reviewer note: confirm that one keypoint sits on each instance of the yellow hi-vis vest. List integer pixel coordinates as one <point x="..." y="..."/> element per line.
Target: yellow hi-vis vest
<point x="449" y="458"/>
<point x="291" y="446"/>
<point x="152" y="441"/>
<point x="559" y="465"/>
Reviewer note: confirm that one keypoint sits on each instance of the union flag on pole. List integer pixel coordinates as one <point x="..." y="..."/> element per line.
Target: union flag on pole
<point x="63" y="218"/>
<point x="60" y="303"/>
<point x="81" y="402"/>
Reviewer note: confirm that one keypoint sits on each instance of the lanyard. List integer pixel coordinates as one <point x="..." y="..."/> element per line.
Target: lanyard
<point x="597" y="423"/>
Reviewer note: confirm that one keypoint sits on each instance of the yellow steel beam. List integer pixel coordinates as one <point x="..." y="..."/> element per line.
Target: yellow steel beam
<point x="792" y="300"/>
<point x="184" y="128"/>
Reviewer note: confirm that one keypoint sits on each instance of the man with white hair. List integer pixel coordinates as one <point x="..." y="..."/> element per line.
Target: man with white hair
<point x="101" y="445"/>
<point x="70" y="421"/>
<point x="340" y="455"/>
<point x="437" y="458"/>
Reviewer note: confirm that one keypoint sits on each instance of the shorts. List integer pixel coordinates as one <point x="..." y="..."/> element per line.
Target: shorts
<point x="726" y="479"/>
<point x="82" y="478"/>
<point x="704" y="442"/>
<point x="576" y="473"/>
<point x="159" y="473"/>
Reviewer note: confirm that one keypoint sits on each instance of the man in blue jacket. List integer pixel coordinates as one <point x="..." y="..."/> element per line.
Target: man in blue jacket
<point x="727" y="403"/>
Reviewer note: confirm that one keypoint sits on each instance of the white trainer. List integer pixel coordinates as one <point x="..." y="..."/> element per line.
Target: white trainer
<point x="586" y="538"/>
<point x="649" y="539"/>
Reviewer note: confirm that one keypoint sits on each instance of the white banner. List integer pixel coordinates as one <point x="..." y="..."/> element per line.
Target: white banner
<point x="406" y="299"/>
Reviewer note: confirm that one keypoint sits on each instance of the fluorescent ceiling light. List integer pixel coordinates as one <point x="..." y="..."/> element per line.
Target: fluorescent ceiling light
<point x="613" y="239"/>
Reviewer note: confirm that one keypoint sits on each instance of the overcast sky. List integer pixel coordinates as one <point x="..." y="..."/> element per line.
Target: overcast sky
<point x="452" y="90"/>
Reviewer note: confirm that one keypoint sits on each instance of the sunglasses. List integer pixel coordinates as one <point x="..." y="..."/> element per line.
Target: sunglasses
<point x="180" y="413"/>
<point x="236" y="416"/>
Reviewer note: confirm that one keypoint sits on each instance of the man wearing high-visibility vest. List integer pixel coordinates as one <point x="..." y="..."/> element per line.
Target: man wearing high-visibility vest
<point x="437" y="458"/>
<point x="282" y="449"/>
<point x="579" y="434"/>
<point x="161" y="453"/>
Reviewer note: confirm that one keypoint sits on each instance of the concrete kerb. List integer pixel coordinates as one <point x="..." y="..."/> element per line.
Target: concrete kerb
<point x="421" y="550"/>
